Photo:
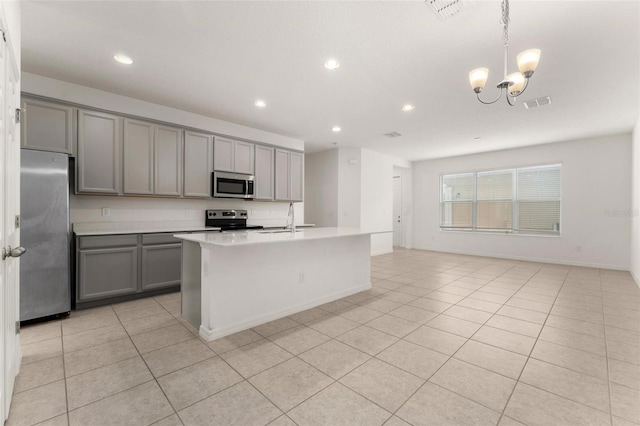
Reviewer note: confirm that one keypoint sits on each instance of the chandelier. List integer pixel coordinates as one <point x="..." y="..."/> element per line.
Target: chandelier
<point x="515" y="83"/>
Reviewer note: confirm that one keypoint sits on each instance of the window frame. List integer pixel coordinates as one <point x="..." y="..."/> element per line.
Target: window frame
<point x="515" y="211"/>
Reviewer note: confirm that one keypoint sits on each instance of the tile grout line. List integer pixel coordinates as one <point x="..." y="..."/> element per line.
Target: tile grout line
<point x="606" y="351"/>
<point x="443" y="364"/>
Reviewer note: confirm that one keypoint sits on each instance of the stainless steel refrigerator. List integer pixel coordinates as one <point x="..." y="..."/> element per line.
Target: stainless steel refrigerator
<point x="44" y="232"/>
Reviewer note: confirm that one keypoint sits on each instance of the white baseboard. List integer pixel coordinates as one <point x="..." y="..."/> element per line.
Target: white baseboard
<point x="213" y="334"/>
<point x="534" y="259"/>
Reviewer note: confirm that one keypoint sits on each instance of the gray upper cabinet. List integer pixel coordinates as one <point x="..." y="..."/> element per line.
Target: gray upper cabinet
<point x="99" y="153"/>
<point x="296" y="174"/>
<point x="243" y="157"/>
<point x="264" y="172"/>
<point x="152" y="159"/>
<point x="289" y="175"/>
<point x="47" y="126"/>
<point x="283" y="177"/>
<point x="233" y="156"/>
<point x="223" y="155"/>
<point x="168" y="160"/>
<point x="198" y="164"/>
<point x="138" y="157"/>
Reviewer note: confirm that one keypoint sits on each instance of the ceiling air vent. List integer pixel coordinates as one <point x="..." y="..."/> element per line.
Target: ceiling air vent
<point x="447" y="8"/>
<point x="534" y="103"/>
<point x="392" y="134"/>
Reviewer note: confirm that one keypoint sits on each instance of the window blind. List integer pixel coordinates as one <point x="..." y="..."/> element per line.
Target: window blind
<point x="523" y="200"/>
<point x="538" y="198"/>
<point x="495" y="199"/>
<point x="456" y="206"/>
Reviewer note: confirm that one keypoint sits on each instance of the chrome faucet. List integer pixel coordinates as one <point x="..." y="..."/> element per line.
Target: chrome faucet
<point x="292" y="215"/>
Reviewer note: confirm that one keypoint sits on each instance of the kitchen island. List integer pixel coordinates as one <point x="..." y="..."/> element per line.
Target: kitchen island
<point x="237" y="280"/>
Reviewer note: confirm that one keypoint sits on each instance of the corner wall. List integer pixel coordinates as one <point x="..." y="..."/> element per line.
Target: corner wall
<point x="635" y="205"/>
<point x="321" y="188"/>
<point x="595" y="224"/>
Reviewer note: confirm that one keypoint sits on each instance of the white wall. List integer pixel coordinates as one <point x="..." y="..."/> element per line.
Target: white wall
<point x="131" y="209"/>
<point x="321" y="188"/>
<point x="635" y="206"/>
<point x="349" y="187"/>
<point x="406" y="177"/>
<point x="57" y="89"/>
<point x="376" y="198"/>
<point x="596" y="183"/>
<point x="352" y="187"/>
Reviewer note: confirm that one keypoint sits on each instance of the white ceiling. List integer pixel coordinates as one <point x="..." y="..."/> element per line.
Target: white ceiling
<point x="217" y="58"/>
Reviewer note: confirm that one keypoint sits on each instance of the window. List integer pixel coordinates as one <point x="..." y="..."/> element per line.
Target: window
<point x="525" y="200"/>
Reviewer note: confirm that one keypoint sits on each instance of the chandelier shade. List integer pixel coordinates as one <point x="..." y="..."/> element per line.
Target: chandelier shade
<point x="513" y="84"/>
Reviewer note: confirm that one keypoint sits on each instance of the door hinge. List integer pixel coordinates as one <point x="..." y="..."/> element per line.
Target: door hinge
<point x="17" y="327"/>
<point x="18" y="115"/>
<point x="17" y="221"/>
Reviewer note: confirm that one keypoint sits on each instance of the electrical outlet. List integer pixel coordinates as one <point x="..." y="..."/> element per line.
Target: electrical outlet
<point x="187" y="212"/>
<point x="106" y="211"/>
<point x="301" y="278"/>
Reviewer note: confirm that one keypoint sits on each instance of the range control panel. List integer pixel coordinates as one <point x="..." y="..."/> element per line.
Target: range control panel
<point x="226" y="214"/>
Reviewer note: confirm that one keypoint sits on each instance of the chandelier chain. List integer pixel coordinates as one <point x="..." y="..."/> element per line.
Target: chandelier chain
<point x="505" y="20"/>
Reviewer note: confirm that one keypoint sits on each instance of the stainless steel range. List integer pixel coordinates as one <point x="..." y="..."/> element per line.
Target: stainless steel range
<point x="228" y="220"/>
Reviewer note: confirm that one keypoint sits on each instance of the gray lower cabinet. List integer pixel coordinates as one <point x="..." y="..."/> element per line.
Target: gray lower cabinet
<point x="161" y="261"/>
<point x="108" y="272"/>
<point x="118" y="267"/>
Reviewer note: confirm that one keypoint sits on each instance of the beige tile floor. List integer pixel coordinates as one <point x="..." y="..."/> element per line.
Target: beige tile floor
<point x="440" y="339"/>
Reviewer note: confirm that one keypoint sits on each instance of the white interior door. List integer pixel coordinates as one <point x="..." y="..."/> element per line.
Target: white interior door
<point x="397" y="211"/>
<point x="9" y="230"/>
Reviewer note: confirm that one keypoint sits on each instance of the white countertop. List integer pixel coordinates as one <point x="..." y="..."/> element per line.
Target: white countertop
<point x="228" y="239"/>
<point x="110" y="228"/>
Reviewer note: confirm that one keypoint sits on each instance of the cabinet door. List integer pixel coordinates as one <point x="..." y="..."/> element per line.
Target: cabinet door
<point x="283" y="178"/>
<point x="198" y="164"/>
<point x="161" y="266"/>
<point x="264" y="166"/>
<point x="168" y="161"/>
<point x="243" y="157"/>
<point x="223" y="155"/>
<point x="107" y="272"/>
<point x="47" y="126"/>
<point x="99" y="148"/>
<point x="296" y="173"/>
<point x="138" y="157"/>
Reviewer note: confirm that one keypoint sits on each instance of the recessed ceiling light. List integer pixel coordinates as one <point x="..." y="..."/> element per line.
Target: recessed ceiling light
<point x="123" y="59"/>
<point x="332" y="64"/>
<point x="260" y="103"/>
<point x="408" y="107"/>
<point x="336" y="129"/>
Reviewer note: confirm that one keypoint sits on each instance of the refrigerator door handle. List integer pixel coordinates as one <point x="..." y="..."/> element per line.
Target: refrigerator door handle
<point x="15" y="252"/>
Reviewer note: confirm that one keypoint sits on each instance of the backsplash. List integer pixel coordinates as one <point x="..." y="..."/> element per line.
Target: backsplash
<point x="136" y="209"/>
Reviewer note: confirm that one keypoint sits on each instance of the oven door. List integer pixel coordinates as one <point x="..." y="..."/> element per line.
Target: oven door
<point x="232" y="185"/>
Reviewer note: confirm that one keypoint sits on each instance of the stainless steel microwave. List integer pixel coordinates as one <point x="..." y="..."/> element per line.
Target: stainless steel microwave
<point x="232" y="185"/>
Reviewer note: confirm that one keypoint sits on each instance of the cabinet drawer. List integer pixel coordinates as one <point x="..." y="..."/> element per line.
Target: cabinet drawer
<point x="107" y="241"/>
<point x="148" y="239"/>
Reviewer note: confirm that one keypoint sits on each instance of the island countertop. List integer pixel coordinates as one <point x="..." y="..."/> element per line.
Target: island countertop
<point x="229" y="239"/>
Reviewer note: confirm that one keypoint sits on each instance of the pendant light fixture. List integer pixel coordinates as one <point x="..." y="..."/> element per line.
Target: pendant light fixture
<point x="513" y="84"/>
